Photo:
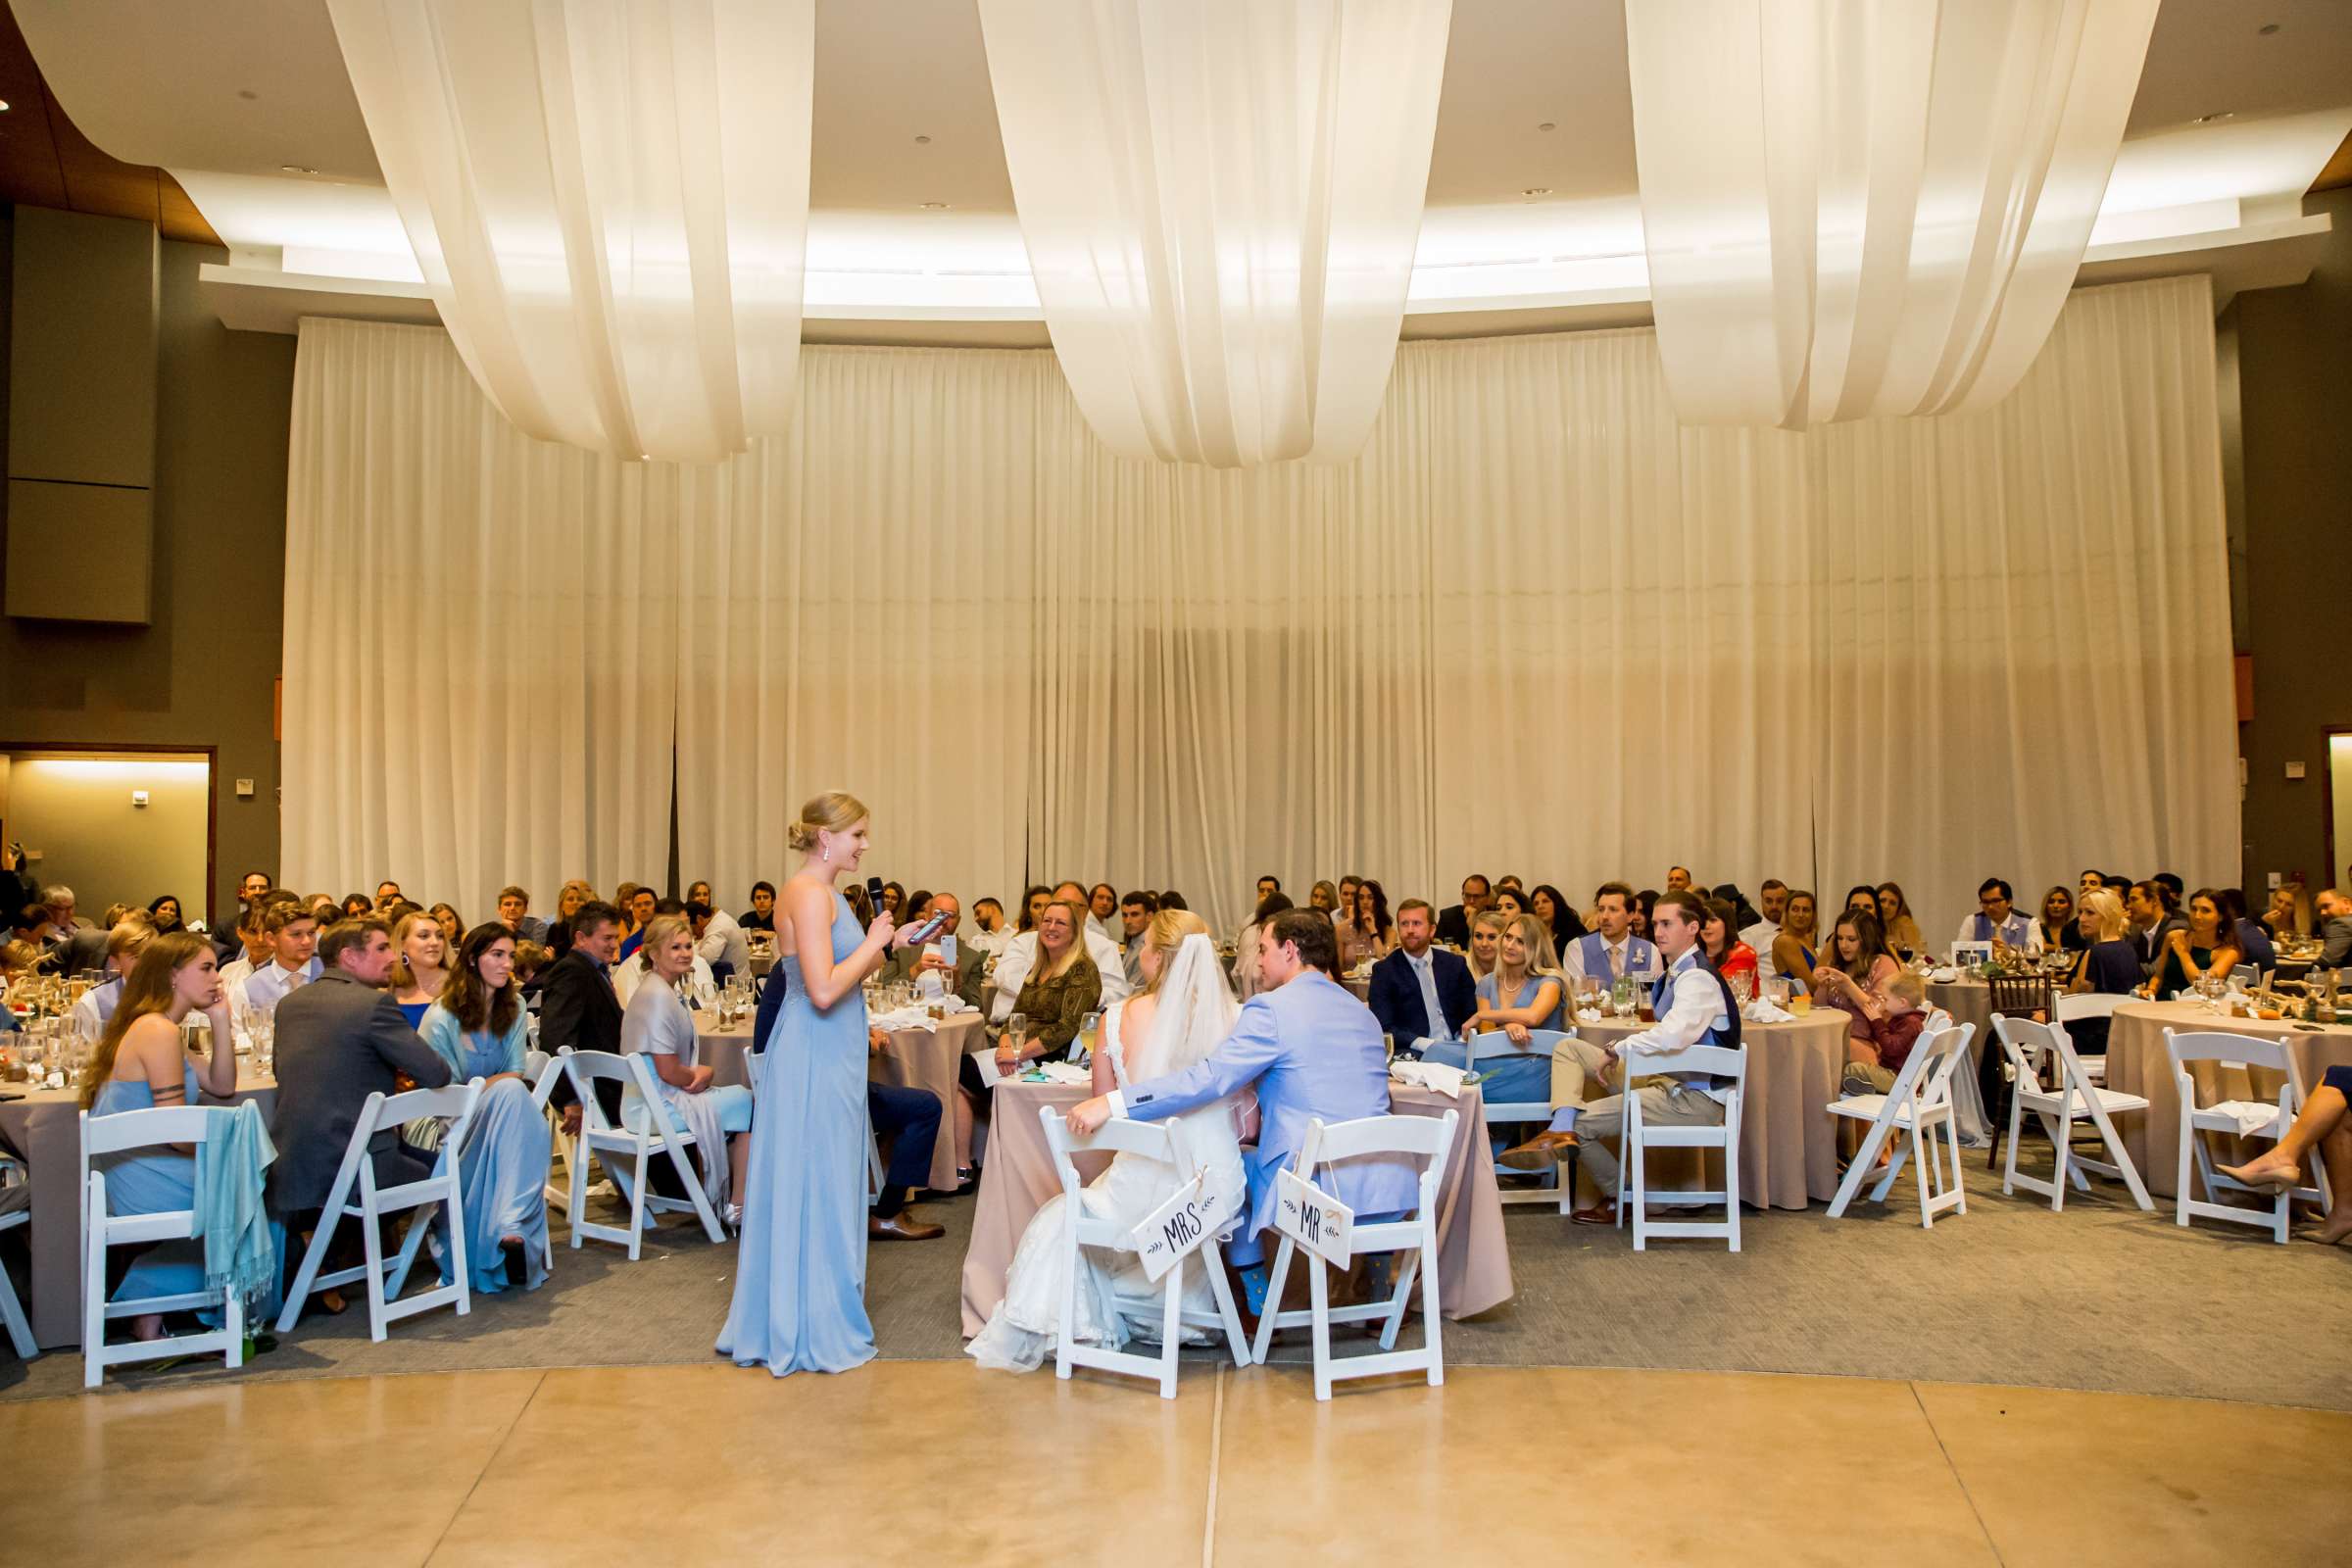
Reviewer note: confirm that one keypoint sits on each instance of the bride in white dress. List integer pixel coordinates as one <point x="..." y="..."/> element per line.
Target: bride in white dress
<point x="1185" y="1012"/>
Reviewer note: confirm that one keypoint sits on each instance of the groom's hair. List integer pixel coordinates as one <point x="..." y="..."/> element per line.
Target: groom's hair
<point x="1414" y="904"/>
<point x="1310" y="932"/>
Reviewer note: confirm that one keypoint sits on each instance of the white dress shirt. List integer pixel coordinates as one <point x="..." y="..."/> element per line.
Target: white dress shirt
<point x="268" y="985"/>
<point x="1761" y="936"/>
<point x="1620" y="953"/>
<point x="2031" y="943"/>
<point x="235" y="972"/>
<point x="1425" y="973"/>
<point x="1021" y="956"/>
<point x="1695" y="1006"/>
<point x="996" y="941"/>
<point x="723" y="942"/>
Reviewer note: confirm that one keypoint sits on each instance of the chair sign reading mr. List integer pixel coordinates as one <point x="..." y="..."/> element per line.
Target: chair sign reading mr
<point x="1313" y="1218"/>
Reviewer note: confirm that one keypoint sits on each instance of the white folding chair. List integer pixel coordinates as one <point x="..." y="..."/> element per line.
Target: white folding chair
<point x="1633" y="1186"/>
<point x="1495" y="1045"/>
<point x="118" y="1134"/>
<point x="438" y="1190"/>
<point x="1416" y="1237"/>
<point x="2028" y="1043"/>
<point x="1150" y="1141"/>
<point x="12" y="1312"/>
<point x="1919" y="1102"/>
<point x="874" y="1164"/>
<point x="2237" y="1118"/>
<point x="560" y="1149"/>
<point x="2078" y="1005"/>
<point x="600" y="1140"/>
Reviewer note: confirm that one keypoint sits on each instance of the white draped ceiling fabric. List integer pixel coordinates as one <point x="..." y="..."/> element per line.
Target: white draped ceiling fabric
<point x="610" y="201"/>
<point x="1221" y="199"/>
<point x="1536" y="625"/>
<point x="1863" y="207"/>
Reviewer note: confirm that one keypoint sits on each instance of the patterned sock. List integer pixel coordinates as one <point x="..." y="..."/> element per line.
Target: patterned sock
<point x="1254" y="1281"/>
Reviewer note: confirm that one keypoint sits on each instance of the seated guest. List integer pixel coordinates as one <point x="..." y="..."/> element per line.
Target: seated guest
<point x="356" y="906"/>
<point x="1171" y="899"/>
<point x="568" y="903"/>
<point x="1060" y="991"/>
<point x="1694" y="1008"/>
<point x="1763" y="934"/>
<point x="387" y="893"/>
<point x="1645" y="903"/>
<point x="1743" y="913"/>
<point x="2253" y="942"/>
<point x="1902" y="934"/>
<point x="991" y="932"/>
<point x="1678" y="879"/>
<point x="420" y="965"/>
<point x="2335" y="929"/>
<point x="1453" y="924"/>
<point x="1103" y="908"/>
<point x="1485" y="943"/>
<point x="515" y="913"/>
<point x="479" y="1027"/>
<point x="1724" y="951"/>
<point x="1997" y="920"/>
<point x="698" y="982"/>
<point x="2320" y="1124"/>
<point x="927" y="965"/>
<point x="140" y="1065"/>
<point x="642" y="905"/>
<point x="79" y="946"/>
<point x="1509" y="902"/>
<point x="579" y="1006"/>
<point x="1612" y="951"/>
<point x="338" y="1041"/>
<point x="251" y="940"/>
<point x="699" y="892"/>
<point x="1873" y="1060"/>
<point x="1136" y="910"/>
<point x="529" y="959"/>
<point x="1245" y="962"/>
<point x="165" y="913"/>
<point x="2287" y="915"/>
<point x="2206" y="948"/>
<point x="98" y="1005"/>
<point x="1552" y="907"/>
<point x="453" y="929"/>
<point x="907" y="1120"/>
<point x="2057" y="926"/>
<point x="2110" y="962"/>
<point x="1372" y="918"/>
<point x="719" y="941"/>
<point x="293" y="958"/>
<point x="762" y="915"/>
<point x="252" y="888"/>
<point x="1421" y="992"/>
<point x="2155" y="914"/>
<point x="1863" y="899"/>
<point x="659" y="1025"/>
<point x="1792" y="950"/>
<point x="1853" y="974"/>
<point x="1516" y="998"/>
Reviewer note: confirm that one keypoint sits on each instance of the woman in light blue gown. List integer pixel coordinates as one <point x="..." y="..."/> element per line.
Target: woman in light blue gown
<point x="478" y="1026"/>
<point x="800" y="1273"/>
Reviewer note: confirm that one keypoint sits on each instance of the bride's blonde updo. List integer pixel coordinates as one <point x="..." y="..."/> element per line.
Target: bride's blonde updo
<point x="1165" y="933"/>
<point x="834" y="812"/>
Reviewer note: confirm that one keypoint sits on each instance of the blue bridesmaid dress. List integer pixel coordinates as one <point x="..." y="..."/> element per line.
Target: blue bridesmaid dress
<point x="800" y="1269"/>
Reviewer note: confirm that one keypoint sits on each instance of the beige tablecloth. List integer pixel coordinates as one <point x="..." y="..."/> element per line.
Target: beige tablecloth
<point x="912" y="1058"/>
<point x="44" y="1130"/>
<point x="1474" y="1264"/>
<point x="2136" y="1064"/>
<point x="1787" y="1138"/>
<point x="1969" y="1001"/>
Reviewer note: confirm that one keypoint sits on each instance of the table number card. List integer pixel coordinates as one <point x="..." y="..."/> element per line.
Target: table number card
<point x="1190" y="1218"/>
<point x="1315" y="1219"/>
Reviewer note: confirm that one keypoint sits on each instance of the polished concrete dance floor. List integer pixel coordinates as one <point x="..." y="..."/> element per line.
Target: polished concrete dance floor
<point x="934" y="1462"/>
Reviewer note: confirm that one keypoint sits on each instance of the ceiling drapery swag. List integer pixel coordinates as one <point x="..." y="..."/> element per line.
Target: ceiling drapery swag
<point x="1858" y="207"/>
<point x="610" y="201"/>
<point x="1221" y="199"/>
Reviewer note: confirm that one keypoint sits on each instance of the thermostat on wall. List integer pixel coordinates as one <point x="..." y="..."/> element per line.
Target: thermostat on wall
<point x="2294" y="770"/>
<point x="244" y="789"/>
<point x="138" y="797"/>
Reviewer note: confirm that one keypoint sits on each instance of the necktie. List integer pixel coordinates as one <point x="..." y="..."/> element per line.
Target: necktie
<point x="1617" y="962"/>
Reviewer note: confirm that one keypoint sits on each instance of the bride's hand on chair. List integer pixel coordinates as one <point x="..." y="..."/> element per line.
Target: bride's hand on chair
<point x="1086" y="1118"/>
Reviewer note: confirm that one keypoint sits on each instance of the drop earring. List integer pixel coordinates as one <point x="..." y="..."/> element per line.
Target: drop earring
<point x="824" y="851"/>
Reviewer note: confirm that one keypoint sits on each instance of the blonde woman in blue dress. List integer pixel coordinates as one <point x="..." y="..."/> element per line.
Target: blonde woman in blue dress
<point x="800" y="1272"/>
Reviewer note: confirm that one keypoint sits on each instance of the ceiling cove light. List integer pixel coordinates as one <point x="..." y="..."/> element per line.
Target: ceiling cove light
<point x="609" y="200"/>
<point x="1859" y="207"/>
<point x="1221" y="199"/>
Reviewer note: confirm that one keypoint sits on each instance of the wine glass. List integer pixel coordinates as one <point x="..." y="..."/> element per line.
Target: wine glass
<point x="1016" y="1031"/>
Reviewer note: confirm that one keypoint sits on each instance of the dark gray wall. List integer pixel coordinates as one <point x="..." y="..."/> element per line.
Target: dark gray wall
<point x="203" y="673"/>
<point x="2295" y="389"/>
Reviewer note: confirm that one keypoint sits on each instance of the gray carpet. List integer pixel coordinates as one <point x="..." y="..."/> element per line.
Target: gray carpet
<point x="2099" y="1297"/>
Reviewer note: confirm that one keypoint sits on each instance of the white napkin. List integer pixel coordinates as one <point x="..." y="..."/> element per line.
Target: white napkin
<point x="904" y="1018"/>
<point x="1433" y="1075"/>
<point x="1943" y="977"/>
<point x="2251" y="1115"/>
<point x="1762" y="1010"/>
<point x="1587" y="1015"/>
<point x="1066" y="1073"/>
<point x="951" y="1005"/>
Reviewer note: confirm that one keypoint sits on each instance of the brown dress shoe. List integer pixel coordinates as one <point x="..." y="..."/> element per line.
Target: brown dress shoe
<point x="1540" y="1152"/>
<point x="1605" y="1214"/>
<point x="901" y="1227"/>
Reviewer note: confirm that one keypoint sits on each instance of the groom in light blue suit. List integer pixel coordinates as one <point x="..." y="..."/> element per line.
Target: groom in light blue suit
<point x="1313" y="1050"/>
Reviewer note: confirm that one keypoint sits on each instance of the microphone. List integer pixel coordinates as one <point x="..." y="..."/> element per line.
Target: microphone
<point x="873" y="892"/>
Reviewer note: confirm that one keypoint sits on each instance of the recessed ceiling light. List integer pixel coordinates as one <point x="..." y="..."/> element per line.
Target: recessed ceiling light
<point x="295" y="168"/>
<point x="1548" y="125"/>
<point x="3" y="105"/>
<point x="922" y="141"/>
<point x="935" y="207"/>
<point x="2207" y="119"/>
<point x="248" y="94"/>
<point x="2267" y="28"/>
<point x="1537" y="190"/>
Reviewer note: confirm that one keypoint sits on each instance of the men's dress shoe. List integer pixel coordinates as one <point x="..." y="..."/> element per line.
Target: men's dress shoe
<point x="1605" y="1214"/>
<point x="1540" y="1152"/>
<point x="903" y="1227"/>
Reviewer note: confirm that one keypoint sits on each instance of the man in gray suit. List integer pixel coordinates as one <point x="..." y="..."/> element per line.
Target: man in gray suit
<point x="2335" y="928"/>
<point x="339" y="1040"/>
<point x="959" y="978"/>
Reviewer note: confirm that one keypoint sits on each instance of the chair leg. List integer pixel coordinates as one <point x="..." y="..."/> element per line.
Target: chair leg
<point x="370" y="1223"/>
<point x="1065" y="1338"/>
<point x="1433" y="1334"/>
<point x="637" y="1205"/>
<point x="2181" y="1194"/>
<point x="93" y="1285"/>
<point x="1401" y="1299"/>
<point x="20" y="1332"/>
<point x="1318" y="1278"/>
<point x="1222" y="1289"/>
<point x="1171" y="1328"/>
<point x="1275" y="1282"/>
<point x="576" y="1207"/>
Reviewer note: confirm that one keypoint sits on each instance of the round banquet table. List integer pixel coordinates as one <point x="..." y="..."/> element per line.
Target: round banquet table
<point x="1474" y="1264"/>
<point x="44" y="1130"/>
<point x="912" y="1059"/>
<point x="2136" y="1064"/>
<point x="1787" y="1138"/>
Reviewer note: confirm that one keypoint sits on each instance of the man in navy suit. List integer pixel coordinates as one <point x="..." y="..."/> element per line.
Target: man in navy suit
<point x="1421" y="992"/>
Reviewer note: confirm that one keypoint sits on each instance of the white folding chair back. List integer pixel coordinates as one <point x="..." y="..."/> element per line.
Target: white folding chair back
<point x="1430" y="1138"/>
<point x="2236" y="1119"/>
<point x="1148" y="1141"/>
<point x="1495" y="1045"/>
<point x="2075" y="1007"/>
<point x="1915" y="1110"/>
<point x="355" y="1196"/>
<point x="1633" y="1187"/>
<point x="2029" y="1045"/>
<point x="118" y="1134"/>
<point x="12" y="1312"/>
<point x="627" y="1154"/>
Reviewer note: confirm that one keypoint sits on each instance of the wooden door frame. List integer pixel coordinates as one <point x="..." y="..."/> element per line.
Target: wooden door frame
<point x="212" y="792"/>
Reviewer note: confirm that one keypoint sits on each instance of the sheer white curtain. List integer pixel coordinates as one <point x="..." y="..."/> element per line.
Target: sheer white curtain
<point x="480" y="646"/>
<point x="1535" y="625"/>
